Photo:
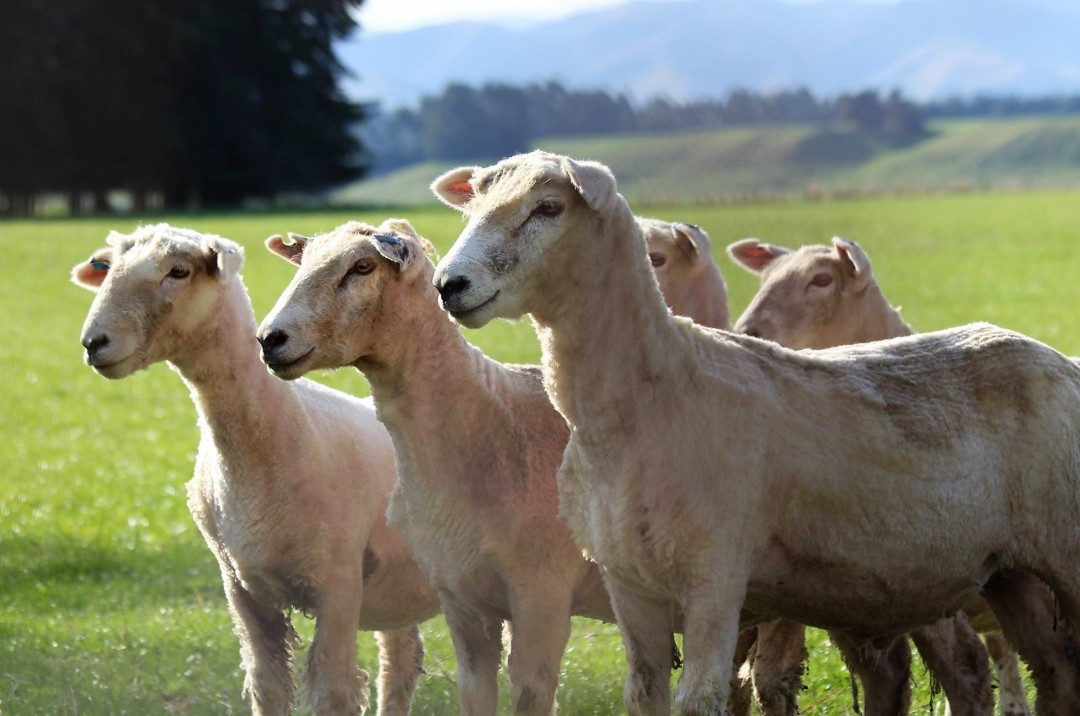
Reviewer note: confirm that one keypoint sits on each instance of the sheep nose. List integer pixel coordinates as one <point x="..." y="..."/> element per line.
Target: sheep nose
<point x="273" y="340"/>
<point x="93" y="344"/>
<point x="450" y="285"/>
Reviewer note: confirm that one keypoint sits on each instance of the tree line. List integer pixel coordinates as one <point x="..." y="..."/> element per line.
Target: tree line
<point x="466" y="123"/>
<point x="198" y="102"/>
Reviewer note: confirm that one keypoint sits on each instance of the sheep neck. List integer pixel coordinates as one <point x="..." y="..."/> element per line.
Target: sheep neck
<point x="706" y="301"/>
<point x="881" y="320"/>
<point x="229" y="384"/>
<point x="895" y="325"/>
<point x="608" y="339"/>
<point x="429" y="384"/>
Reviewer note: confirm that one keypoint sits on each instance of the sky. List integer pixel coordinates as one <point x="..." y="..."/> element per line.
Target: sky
<point x="396" y="15"/>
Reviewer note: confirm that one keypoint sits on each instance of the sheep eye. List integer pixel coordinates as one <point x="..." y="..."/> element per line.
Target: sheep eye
<point x="657" y="260"/>
<point x="822" y="279"/>
<point x="179" y="272"/>
<point x="362" y="267"/>
<point x="548" y="207"/>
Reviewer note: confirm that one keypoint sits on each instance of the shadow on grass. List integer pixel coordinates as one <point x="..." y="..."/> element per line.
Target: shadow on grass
<point x="69" y="574"/>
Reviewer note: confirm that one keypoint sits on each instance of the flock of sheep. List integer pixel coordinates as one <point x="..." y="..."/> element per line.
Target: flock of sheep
<point x="658" y="470"/>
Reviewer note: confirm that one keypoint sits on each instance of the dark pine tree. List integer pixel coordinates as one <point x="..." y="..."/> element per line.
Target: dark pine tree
<point x="263" y="112"/>
<point x="204" y="101"/>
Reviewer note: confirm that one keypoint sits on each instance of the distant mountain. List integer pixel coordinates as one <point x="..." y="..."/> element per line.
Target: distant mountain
<point x="705" y="48"/>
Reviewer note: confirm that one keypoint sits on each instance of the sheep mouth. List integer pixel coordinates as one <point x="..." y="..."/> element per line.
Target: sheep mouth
<point x="287" y="367"/>
<point x="108" y="368"/>
<point x="471" y="317"/>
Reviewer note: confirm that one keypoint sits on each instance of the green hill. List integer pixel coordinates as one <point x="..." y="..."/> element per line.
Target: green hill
<point x="740" y="163"/>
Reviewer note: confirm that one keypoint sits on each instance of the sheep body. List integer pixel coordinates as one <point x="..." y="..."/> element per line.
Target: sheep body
<point x="941" y="464"/>
<point x="291" y="480"/>
<point x="478" y="444"/>
<point x="824" y="296"/>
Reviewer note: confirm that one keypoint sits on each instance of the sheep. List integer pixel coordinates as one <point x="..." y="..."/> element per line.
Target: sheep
<point x="692" y="286"/>
<point x="824" y="296"/>
<point x="477" y="444"/>
<point x="291" y="480"/>
<point x="691" y="282"/>
<point x="816" y="297"/>
<point x="847" y="476"/>
<point x="777" y="662"/>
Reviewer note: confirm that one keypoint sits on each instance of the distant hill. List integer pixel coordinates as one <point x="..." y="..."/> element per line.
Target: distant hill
<point x="727" y="164"/>
<point x="704" y="48"/>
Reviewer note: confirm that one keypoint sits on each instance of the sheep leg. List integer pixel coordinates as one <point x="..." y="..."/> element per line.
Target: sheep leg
<point x="779" y="659"/>
<point x="1019" y="601"/>
<point x="401" y="661"/>
<point x="539" y="632"/>
<point x="647" y="632"/>
<point x="266" y="641"/>
<point x="477" y="641"/>
<point x="951" y="649"/>
<point x="884" y="674"/>
<point x="741" y="669"/>
<point x="711" y="619"/>
<point x="1012" y="697"/>
<point x="335" y="684"/>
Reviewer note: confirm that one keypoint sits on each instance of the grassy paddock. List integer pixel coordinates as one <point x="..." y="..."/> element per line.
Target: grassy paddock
<point x="111" y="604"/>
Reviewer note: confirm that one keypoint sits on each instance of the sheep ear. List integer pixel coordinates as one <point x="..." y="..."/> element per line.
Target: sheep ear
<point x="593" y="181"/>
<point x="91" y="273"/>
<point x="855" y="261"/>
<point x="753" y="255"/>
<point x="402" y="251"/>
<point x="402" y="228"/>
<point x="454" y="188"/>
<point x="224" y="258"/>
<point x="690" y="239"/>
<point x="293" y="251"/>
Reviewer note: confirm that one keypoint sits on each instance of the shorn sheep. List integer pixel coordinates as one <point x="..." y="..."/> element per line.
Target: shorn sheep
<point x="824" y="296"/>
<point x="777" y="661"/>
<point x="291" y="479"/>
<point x="681" y="257"/>
<point x="848" y="478"/>
<point x="816" y="296"/>
<point x="478" y="444"/>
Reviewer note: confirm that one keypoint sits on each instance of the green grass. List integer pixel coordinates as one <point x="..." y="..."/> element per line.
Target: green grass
<point x="110" y="603"/>
<point x="744" y="163"/>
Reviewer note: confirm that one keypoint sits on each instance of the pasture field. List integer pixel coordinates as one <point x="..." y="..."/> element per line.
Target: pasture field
<point x="110" y="603"/>
<point x="711" y="165"/>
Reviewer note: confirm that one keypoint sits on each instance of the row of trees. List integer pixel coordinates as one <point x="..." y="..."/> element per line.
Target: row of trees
<point x="465" y="123"/>
<point x="198" y="101"/>
<point x="986" y="106"/>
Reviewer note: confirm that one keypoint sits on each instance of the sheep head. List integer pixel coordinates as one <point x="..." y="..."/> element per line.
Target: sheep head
<point x="681" y="257"/>
<point x="155" y="287"/>
<point x="348" y="279"/>
<point x="517" y="210"/>
<point x="815" y="297"/>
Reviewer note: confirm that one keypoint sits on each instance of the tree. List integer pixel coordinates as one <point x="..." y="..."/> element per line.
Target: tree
<point x="264" y="113"/>
<point x="863" y="111"/>
<point x="201" y="99"/>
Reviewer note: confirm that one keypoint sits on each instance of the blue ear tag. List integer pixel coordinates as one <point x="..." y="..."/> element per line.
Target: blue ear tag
<point x="386" y="238"/>
<point x="99" y="265"/>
